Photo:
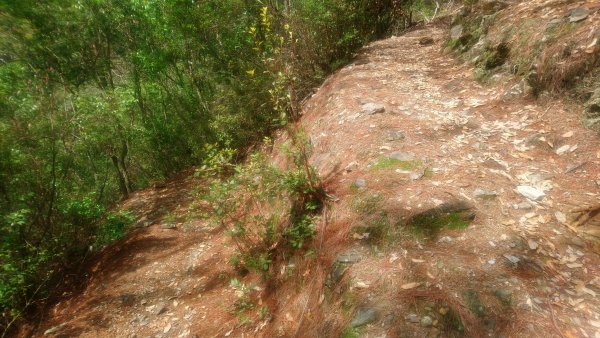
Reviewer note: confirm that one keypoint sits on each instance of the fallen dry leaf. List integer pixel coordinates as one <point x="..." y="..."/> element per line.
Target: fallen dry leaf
<point x="562" y="218"/>
<point x="410" y="285"/>
<point x="581" y="289"/>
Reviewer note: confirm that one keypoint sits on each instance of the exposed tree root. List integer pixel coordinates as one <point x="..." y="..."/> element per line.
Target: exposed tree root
<point x="585" y="214"/>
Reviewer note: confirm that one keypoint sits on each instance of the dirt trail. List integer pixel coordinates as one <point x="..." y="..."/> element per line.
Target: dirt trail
<point x="404" y="129"/>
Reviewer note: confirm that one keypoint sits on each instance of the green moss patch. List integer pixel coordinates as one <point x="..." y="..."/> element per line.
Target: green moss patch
<point x="392" y="163"/>
<point x="451" y="215"/>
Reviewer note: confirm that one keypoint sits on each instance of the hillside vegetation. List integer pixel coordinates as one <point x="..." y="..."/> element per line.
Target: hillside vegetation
<point x="99" y="98"/>
<point x="551" y="48"/>
<point x="266" y="168"/>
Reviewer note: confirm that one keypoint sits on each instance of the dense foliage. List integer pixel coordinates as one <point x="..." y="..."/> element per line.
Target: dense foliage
<point x="101" y="97"/>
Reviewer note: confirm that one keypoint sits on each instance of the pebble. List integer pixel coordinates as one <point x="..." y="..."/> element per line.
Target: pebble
<point x="351" y="166"/>
<point x="512" y="259"/>
<point x="445" y="239"/>
<point x="563" y="149"/>
<point x="553" y="23"/>
<point x="360" y="182"/>
<point x="523" y="206"/>
<point x="426" y="321"/>
<point x="413" y="318"/>
<point x="532" y="244"/>
<point x="415" y="176"/>
<point x="504" y="295"/>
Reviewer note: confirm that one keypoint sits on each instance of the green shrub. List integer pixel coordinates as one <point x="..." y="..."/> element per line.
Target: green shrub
<point x="113" y="227"/>
<point x="266" y="210"/>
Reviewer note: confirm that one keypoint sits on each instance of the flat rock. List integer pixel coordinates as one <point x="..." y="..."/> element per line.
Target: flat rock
<point x="512" y="259"/>
<point x="484" y="193"/>
<point x="456" y="32"/>
<point x="530" y="192"/>
<point x="445" y="239"/>
<point x="523" y="205"/>
<point x="395" y="135"/>
<point x="372" y="108"/>
<point x="364" y="316"/>
<point x="170" y="226"/>
<point x="402" y="156"/>
<point x="160" y="309"/>
<point x="348" y="257"/>
<point x="579" y="14"/>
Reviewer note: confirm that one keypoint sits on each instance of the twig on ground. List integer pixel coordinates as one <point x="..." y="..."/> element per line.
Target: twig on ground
<point x="554" y="321"/>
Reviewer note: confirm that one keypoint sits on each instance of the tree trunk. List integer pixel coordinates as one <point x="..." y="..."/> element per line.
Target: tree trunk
<point x="137" y="89"/>
<point x="121" y="169"/>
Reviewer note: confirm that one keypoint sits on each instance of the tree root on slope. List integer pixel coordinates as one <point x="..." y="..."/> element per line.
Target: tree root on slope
<point x="584" y="215"/>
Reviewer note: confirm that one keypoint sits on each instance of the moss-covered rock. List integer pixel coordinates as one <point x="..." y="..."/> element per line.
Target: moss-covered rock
<point x="495" y="56"/>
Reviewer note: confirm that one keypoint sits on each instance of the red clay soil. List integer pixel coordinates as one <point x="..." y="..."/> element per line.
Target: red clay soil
<point x="516" y="271"/>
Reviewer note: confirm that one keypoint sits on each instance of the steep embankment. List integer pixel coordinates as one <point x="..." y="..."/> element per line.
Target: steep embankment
<point x="448" y="220"/>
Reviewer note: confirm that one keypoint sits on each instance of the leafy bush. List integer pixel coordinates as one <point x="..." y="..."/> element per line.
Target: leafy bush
<point x="266" y="210"/>
<point x="113" y="227"/>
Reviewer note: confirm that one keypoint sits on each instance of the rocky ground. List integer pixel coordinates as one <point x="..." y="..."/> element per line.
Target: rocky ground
<point x="412" y="131"/>
<point x="452" y="201"/>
